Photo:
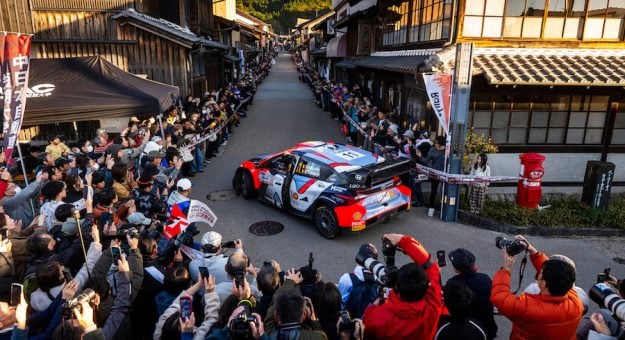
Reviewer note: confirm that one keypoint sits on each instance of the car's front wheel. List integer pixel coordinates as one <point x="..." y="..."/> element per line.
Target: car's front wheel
<point x="326" y="222"/>
<point x="247" y="185"/>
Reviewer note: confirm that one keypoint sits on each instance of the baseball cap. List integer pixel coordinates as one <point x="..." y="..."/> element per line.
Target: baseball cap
<point x="462" y="260"/>
<point x="138" y="218"/>
<point x="156" y="154"/>
<point x="156" y="139"/>
<point x="60" y="162"/>
<point x="183" y="184"/>
<point x="409" y="134"/>
<point x="211" y="237"/>
<point x="69" y="227"/>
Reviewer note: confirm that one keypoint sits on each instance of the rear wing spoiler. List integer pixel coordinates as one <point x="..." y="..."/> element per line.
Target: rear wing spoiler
<point x="378" y="173"/>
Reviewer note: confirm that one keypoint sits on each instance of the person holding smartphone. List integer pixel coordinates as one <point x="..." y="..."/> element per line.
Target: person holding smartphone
<point x="213" y="259"/>
<point x="181" y="306"/>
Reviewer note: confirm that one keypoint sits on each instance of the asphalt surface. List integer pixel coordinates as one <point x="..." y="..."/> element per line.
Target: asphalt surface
<point x="284" y="114"/>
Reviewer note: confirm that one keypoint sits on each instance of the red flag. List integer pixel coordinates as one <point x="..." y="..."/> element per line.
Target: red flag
<point x="176" y="223"/>
<point x="14" y="61"/>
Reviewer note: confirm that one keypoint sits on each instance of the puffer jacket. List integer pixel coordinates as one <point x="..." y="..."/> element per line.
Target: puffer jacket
<point x="536" y="316"/>
<point x="397" y="319"/>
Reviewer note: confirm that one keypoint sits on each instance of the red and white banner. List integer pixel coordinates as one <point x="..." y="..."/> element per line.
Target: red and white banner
<point x="200" y="212"/>
<point x="438" y="87"/>
<point x="14" y="60"/>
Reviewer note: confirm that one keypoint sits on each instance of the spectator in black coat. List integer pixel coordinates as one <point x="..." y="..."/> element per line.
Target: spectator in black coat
<point x="458" y="325"/>
<point x="480" y="284"/>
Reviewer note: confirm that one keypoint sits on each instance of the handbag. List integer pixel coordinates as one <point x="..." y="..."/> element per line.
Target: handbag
<point x="345" y="129"/>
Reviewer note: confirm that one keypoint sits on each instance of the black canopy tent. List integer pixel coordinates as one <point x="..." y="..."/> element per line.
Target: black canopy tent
<point x="90" y="88"/>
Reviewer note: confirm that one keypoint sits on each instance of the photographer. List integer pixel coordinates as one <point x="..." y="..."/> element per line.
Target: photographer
<point x="414" y="302"/>
<point x="292" y="316"/>
<point x="605" y="323"/>
<point x="116" y="315"/>
<point x="359" y="289"/>
<point x="553" y="313"/>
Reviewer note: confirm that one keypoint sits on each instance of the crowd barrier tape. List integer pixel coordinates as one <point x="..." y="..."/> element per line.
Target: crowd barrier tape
<point x="437" y="174"/>
<point x="197" y="141"/>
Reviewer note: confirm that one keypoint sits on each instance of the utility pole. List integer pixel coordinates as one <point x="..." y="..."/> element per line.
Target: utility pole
<point x="460" y="100"/>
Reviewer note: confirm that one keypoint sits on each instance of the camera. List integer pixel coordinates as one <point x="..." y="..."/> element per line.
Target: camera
<point x="240" y="325"/>
<point x="346" y="323"/>
<point x="603" y="277"/>
<point x="87" y="296"/>
<point x="606" y="297"/>
<point x="512" y="247"/>
<point x="228" y="244"/>
<point x="384" y="274"/>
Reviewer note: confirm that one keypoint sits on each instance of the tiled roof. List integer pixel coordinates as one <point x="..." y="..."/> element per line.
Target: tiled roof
<point x="552" y="66"/>
<point x="171" y="29"/>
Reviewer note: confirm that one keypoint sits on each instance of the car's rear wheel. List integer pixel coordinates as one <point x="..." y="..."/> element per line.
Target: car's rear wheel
<point x="326" y="222"/>
<point x="247" y="185"/>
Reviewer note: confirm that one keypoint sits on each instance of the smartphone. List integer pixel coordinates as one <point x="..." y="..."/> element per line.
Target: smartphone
<point x="88" y="171"/>
<point x="116" y="252"/>
<point x="204" y="272"/>
<point x="105" y="217"/>
<point x="440" y="256"/>
<point x="186" y="307"/>
<point x="16" y="294"/>
<point x="266" y="264"/>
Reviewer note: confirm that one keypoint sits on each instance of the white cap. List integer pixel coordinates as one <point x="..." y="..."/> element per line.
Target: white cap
<point x="211" y="237"/>
<point x="183" y="184"/>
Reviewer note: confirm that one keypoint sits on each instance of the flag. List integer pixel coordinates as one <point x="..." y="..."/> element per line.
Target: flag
<point x="200" y="212"/>
<point x="176" y="223"/>
<point x="14" y="60"/>
<point x="438" y="87"/>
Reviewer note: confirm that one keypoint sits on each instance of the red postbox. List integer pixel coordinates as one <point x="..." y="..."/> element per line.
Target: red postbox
<point x="529" y="189"/>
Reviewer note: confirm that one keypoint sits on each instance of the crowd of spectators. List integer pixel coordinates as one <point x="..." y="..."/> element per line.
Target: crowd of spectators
<point x="93" y="262"/>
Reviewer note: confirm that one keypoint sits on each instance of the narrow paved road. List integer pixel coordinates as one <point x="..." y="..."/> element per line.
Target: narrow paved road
<point x="284" y="114"/>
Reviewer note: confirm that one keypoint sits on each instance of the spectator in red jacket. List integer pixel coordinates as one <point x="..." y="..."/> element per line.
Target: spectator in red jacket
<point x="414" y="304"/>
<point x="554" y="313"/>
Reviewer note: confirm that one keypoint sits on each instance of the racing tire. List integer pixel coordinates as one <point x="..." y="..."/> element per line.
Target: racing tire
<point x="247" y="185"/>
<point x="326" y="222"/>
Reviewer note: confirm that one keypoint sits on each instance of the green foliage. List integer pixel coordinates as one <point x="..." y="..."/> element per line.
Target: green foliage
<point x="283" y="14"/>
<point x="567" y="213"/>
<point x="475" y="145"/>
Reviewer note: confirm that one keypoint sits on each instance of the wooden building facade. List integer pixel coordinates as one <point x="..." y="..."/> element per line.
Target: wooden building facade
<point x="548" y="75"/>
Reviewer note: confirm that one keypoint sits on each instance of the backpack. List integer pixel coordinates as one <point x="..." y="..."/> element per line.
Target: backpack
<point x="362" y="295"/>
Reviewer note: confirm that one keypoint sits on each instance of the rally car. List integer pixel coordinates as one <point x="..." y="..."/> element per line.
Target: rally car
<point x="338" y="186"/>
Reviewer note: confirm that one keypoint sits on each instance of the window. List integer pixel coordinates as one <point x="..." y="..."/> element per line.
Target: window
<point x="396" y="30"/>
<point x="543" y="119"/>
<point x="605" y="19"/>
<point x="416" y="21"/>
<point x="312" y="169"/>
<point x="618" y="134"/>
<point x="561" y="19"/>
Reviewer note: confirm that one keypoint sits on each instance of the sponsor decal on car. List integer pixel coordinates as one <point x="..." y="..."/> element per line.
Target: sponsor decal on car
<point x="358" y="225"/>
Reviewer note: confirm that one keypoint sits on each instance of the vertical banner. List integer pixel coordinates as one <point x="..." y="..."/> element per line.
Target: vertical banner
<point x="438" y="87"/>
<point x="14" y="60"/>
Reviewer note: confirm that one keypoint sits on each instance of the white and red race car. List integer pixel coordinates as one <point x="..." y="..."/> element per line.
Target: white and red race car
<point x="340" y="187"/>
